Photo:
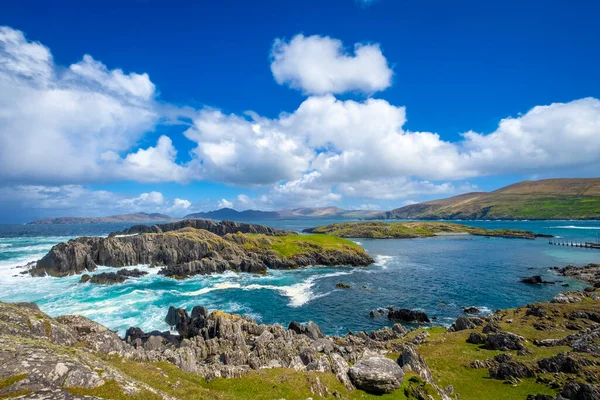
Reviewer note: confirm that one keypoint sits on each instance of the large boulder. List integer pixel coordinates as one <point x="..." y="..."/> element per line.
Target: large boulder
<point x="406" y="315"/>
<point x="463" y="323"/>
<point x="511" y="370"/>
<point x="504" y="341"/>
<point x="376" y="374"/>
<point x="579" y="391"/>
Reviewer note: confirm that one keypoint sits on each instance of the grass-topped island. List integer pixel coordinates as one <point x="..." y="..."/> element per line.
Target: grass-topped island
<point x="193" y="247"/>
<point x="411" y="230"/>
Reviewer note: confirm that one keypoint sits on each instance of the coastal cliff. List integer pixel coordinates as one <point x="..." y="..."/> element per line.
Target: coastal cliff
<point x="183" y="250"/>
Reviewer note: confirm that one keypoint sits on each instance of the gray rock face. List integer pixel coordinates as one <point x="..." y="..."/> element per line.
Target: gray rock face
<point x="510" y="370"/>
<point x="579" y="391"/>
<point x="504" y="341"/>
<point x="463" y="323"/>
<point x="221" y="228"/>
<point x="376" y="374"/>
<point x="311" y="329"/>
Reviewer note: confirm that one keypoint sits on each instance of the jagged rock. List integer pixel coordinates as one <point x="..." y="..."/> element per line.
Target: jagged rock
<point x="311" y="329"/>
<point x="463" y="323"/>
<point x="410" y="360"/>
<point x="108" y="278"/>
<point x="387" y="333"/>
<point x="406" y="315"/>
<point x="491" y="327"/>
<point x="221" y="228"/>
<point x="579" y="391"/>
<point x="504" y="341"/>
<point x="471" y="310"/>
<point x="536" y="311"/>
<point x="476" y="338"/>
<point x="511" y="370"/>
<point x="376" y="374"/>
<point x="565" y="298"/>
<point x="560" y="363"/>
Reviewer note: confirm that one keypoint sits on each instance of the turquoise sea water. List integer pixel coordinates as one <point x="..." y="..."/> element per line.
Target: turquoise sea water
<point x="436" y="275"/>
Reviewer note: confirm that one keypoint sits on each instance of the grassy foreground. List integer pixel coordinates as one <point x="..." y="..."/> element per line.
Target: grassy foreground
<point x="401" y="230"/>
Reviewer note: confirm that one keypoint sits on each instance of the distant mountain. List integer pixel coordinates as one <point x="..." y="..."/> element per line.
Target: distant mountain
<point x="297" y="213"/>
<point x="233" y="215"/>
<point x="544" y="199"/>
<point x="137" y="217"/>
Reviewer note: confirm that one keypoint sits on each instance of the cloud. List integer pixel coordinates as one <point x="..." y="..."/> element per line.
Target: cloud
<point x="61" y="127"/>
<point x="224" y="203"/>
<point x="56" y="123"/>
<point x="395" y="188"/>
<point x="236" y="149"/>
<point x="152" y="199"/>
<point x="154" y="164"/>
<point x="320" y="64"/>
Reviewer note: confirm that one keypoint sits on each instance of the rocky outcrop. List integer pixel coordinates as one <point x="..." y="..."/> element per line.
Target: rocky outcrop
<point x="589" y="273"/>
<point x="504" y="341"/>
<point x="463" y="323"/>
<point x="536" y="280"/>
<point x="220" y="228"/>
<point x="190" y="251"/>
<point x="110" y="278"/>
<point x="406" y="315"/>
<point x="374" y="373"/>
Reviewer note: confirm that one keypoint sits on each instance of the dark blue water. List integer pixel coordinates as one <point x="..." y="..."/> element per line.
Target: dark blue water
<point x="437" y="275"/>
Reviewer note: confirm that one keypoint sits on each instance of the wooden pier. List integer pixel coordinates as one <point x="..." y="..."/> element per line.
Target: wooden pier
<point x="571" y="243"/>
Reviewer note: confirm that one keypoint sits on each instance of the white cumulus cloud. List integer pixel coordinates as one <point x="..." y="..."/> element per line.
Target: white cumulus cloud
<point x="320" y="64"/>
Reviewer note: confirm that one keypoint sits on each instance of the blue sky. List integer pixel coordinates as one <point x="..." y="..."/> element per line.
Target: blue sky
<point x="352" y="104"/>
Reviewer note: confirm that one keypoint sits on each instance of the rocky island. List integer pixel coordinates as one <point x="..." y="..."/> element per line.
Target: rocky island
<point x="412" y="230"/>
<point x="193" y="247"/>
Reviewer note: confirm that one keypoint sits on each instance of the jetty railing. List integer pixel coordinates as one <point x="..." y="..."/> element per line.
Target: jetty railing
<point x="571" y="243"/>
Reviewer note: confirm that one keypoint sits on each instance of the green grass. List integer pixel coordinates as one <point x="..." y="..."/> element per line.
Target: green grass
<point x="290" y="246"/>
<point x="277" y="383"/>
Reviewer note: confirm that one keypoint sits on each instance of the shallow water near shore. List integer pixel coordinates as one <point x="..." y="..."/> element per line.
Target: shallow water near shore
<point x="436" y="275"/>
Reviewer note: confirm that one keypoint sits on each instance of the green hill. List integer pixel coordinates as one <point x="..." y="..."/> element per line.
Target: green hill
<point x="544" y="199"/>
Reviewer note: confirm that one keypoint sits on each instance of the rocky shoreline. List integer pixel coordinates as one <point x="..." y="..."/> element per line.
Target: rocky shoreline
<point x="193" y="247"/>
<point x="554" y="347"/>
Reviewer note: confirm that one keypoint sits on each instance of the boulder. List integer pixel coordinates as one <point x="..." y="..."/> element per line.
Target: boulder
<point x="463" y="323"/>
<point x="511" y="370"/>
<point x="579" y="391"/>
<point x="406" y="315"/>
<point x="376" y="374"/>
<point x="471" y="310"/>
<point x="504" y="341"/>
<point x="476" y="338"/>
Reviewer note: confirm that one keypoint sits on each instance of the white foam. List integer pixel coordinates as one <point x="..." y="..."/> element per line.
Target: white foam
<point x="575" y="227"/>
<point x="4" y="245"/>
<point x="298" y="293"/>
<point x="383" y="261"/>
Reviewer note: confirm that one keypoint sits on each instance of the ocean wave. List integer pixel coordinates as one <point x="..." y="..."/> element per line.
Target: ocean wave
<point x="383" y="261"/>
<point x="25" y="249"/>
<point x="574" y="227"/>
<point x="298" y="293"/>
<point x="4" y="245"/>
